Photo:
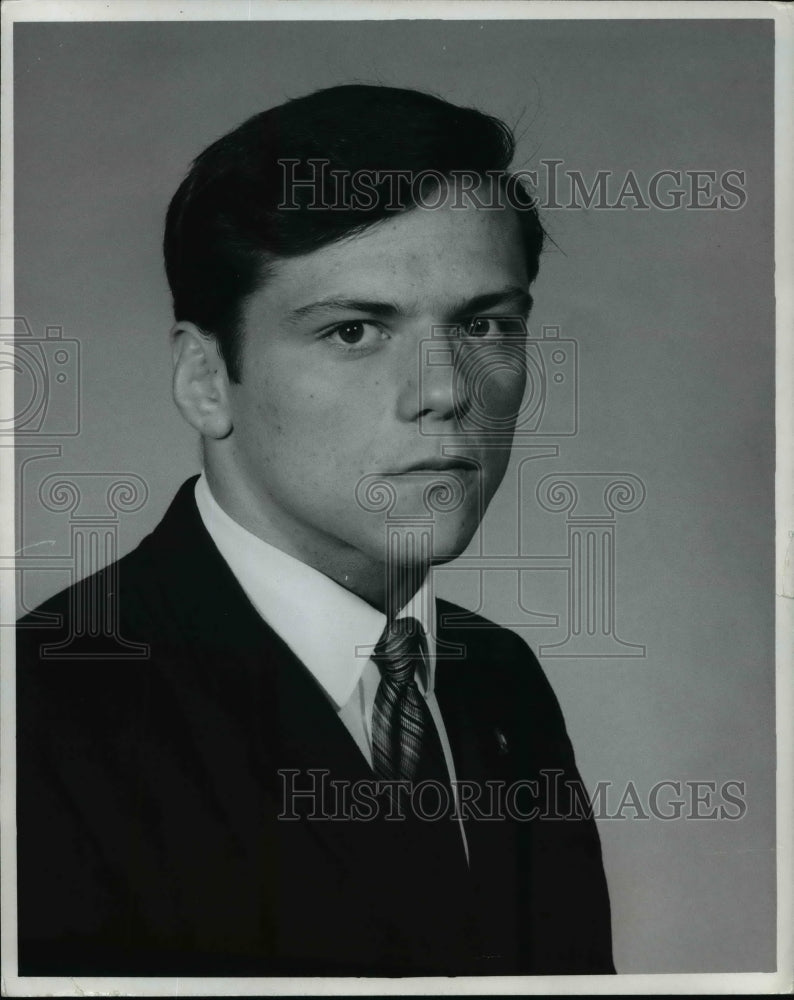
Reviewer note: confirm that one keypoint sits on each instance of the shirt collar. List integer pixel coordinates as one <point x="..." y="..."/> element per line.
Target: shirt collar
<point x="331" y="630"/>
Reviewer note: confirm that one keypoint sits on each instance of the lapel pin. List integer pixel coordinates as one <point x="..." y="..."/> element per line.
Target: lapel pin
<point x="501" y="740"/>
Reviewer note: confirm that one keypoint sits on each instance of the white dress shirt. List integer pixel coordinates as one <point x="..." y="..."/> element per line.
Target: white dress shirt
<point x="331" y="630"/>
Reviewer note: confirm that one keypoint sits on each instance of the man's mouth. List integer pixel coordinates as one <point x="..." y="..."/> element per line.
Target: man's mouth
<point x="438" y="464"/>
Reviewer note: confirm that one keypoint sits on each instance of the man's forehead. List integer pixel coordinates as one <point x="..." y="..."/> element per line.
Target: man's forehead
<point x="409" y="261"/>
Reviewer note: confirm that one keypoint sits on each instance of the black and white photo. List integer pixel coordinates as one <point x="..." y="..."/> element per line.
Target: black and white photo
<point x="390" y="466"/>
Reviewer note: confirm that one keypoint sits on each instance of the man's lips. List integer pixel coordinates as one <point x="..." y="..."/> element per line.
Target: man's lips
<point x="437" y="464"/>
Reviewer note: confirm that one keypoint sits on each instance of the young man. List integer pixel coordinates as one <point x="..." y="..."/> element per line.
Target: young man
<point x="349" y="286"/>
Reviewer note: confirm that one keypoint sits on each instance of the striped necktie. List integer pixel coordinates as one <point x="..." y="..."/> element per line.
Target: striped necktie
<point x="405" y="741"/>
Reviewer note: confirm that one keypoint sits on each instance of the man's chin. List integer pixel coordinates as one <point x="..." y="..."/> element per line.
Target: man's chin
<point x="444" y="554"/>
<point x="433" y="544"/>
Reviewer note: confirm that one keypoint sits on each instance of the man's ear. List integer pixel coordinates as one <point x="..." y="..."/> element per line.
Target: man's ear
<point x="200" y="381"/>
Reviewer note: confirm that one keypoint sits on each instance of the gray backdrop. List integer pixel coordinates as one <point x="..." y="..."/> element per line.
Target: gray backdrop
<point x="672" y="314"/>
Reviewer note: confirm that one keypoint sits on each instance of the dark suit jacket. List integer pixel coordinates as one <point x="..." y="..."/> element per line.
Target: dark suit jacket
<point x="149" y="792"/>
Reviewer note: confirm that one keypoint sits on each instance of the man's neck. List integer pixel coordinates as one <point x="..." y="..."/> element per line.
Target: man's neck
<point x="386" y="584"/>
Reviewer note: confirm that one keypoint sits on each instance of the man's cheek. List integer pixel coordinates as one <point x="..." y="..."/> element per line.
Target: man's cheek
<point x="513" y="387"/>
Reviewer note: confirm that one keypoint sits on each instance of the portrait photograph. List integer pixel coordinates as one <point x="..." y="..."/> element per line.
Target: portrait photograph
<point x="398" y="553"/>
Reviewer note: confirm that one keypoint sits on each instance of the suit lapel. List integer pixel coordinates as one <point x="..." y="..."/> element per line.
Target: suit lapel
<point x="239" y="662"/>
<point x="274" y="718"/>
<point x="476" y="715"/>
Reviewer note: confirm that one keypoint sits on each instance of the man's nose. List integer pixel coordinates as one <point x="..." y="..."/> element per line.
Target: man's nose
<point x="432" y="390"/>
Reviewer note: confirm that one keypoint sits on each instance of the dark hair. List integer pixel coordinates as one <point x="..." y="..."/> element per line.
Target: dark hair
<point x="228" y="218"/>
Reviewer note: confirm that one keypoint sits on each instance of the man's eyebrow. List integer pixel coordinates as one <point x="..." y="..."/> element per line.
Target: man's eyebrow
<point x="370" y="306"/>
<point x="517" y="298"/>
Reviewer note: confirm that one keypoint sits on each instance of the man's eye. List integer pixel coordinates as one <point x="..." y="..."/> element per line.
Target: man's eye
<point x="495" y="326"/>
<point x="355" y="333"/>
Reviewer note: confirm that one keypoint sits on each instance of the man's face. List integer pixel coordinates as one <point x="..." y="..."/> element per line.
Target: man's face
<point x="340" y="389"/>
